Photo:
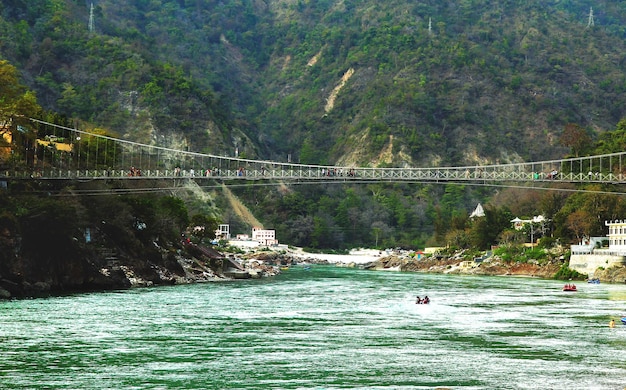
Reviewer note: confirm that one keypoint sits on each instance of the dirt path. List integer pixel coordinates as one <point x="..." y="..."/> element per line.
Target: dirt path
<point x="330" y="102"/>
<point x="240" y="209"/>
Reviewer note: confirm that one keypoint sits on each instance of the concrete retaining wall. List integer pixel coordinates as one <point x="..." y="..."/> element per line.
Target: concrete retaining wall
<point x="588" y="264"/>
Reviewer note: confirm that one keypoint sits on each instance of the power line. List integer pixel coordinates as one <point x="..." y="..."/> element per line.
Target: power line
<point x="135" y="191"/>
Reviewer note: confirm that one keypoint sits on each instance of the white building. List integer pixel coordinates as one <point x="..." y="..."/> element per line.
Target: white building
<point x="518" y="224"/>
<point x="537" y="226"/>
<point x="264" y="236"/>
<point x="260" y="238"/>
<point x="617" y="236"/>
<point x="616" y="241"/>
<point x="478" y="212"/>
<point x="223" y="232"/>
<point x="589" y="255"/>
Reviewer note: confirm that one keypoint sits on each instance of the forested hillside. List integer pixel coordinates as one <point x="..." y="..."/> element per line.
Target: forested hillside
<point x="424" y="83"/>
<point x="391" y="83"/>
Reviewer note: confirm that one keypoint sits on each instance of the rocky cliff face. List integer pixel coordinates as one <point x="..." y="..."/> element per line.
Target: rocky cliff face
<point x="107" y="269"/>
<point x="611" y="275"/>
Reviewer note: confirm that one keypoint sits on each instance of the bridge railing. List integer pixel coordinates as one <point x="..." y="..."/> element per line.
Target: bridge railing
<point x="69" y="149"/>
<point x="315" y="173"/>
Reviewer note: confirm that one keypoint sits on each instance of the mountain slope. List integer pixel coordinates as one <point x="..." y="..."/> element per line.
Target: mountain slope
<point x="240" y="209"/>
<point x="484" y="83"/>
<point x="345" y="81"/>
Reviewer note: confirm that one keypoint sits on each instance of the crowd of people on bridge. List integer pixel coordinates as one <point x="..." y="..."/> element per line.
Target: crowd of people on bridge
<point x="331" y="172"/>
<point x="134" y="171"/>
<point x="192" y="172"/>
<point x="336" y="172"/>
<point x="553" y="174"/>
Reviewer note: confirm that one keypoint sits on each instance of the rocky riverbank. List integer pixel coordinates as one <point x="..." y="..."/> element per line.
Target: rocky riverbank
<point x="106" y="269"/>
<point x="455" y="263"/>
<point x="103" y="270"/>
<point x="493" y="266"/>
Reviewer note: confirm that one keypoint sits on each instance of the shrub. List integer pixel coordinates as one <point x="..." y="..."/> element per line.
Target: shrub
<point x="566" y="273"/>
<point x="547" y="242"/>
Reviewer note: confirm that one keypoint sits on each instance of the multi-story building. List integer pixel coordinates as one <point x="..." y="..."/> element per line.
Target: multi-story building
<point x="591" y="253"/>
<point x="617" y="236"/>
<point x="223" y="232"/>
<point x="264" y="236"/>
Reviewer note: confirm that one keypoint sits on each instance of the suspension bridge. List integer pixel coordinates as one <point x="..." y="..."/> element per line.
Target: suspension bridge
<point x="63" y="153"/>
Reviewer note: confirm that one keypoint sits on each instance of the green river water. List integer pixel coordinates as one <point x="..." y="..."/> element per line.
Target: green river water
<point x="323" y="328"/>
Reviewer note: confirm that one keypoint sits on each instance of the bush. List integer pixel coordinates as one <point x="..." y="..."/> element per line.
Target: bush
<point x="521" y="254"/>
<point x="536" y="253"/>
<point x="471" y="254"/>
<point x="566" y="273"/>
<point x="547" y="242"/>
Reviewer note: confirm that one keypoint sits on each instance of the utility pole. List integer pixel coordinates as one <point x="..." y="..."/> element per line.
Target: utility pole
<point x="590" y="22"/>
<point x="91" y="25"/>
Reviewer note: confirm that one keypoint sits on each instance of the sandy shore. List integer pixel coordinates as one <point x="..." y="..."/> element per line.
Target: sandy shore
<point x="356" y="256"/>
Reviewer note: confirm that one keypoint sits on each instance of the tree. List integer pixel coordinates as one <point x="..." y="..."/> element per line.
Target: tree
<point x="380" y="229"/>
<point x="203" y="226"/>
<point x="485" y="231"/>
<point x="326" y="234"/>
<point x="173" y="215"/>
<point x="17" y="103"/>
<point x="458" y="238"/>
<point x="580" y="222"/>
<point x="576" y="138"/>
<point x="584" y="213"/>
<point x="300" y="230"/>
<point x="511" y="237"/>
<point x="308" y="152"/>
<point x="612" y="141"/>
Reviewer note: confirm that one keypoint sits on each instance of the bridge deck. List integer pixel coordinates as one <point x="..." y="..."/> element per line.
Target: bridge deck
<point x="71" y="154"/>
<point x="353" y="174"/>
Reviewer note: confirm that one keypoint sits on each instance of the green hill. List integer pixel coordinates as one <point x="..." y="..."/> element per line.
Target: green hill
<point x="391" y="83"/>
<point x="355" y="82"/>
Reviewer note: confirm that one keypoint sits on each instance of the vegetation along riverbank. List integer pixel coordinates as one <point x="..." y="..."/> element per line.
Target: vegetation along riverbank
<point x="506" y="261"/>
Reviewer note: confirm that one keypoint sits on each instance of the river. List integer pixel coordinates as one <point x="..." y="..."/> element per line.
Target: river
<point x="322" y="328"/>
